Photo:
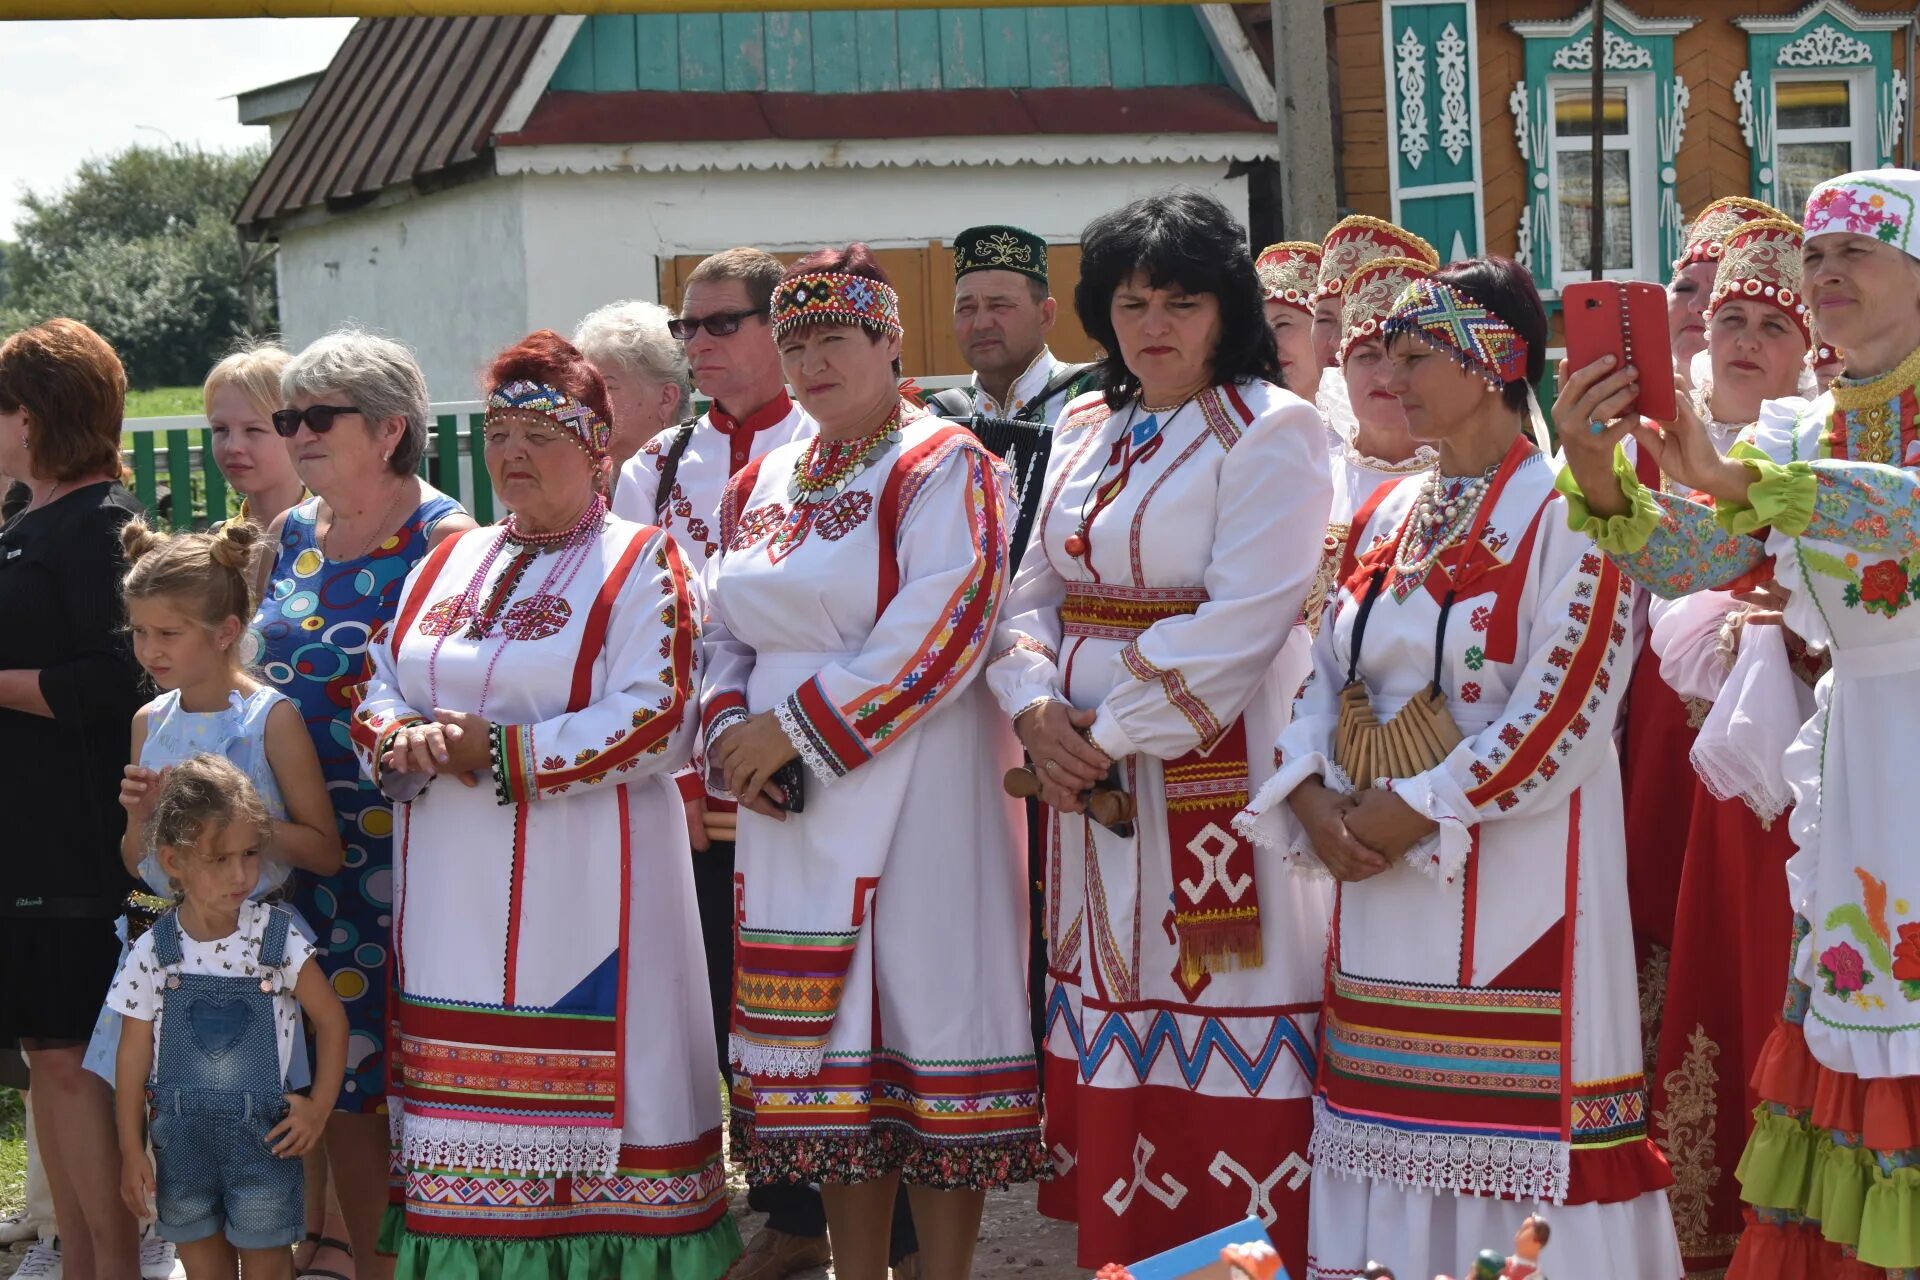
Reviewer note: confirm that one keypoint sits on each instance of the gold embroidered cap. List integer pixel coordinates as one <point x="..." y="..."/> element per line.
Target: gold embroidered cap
<point x="1760" y="262"/>
<point x="1288" y="272"/>
<point x="1371" y="294"/>
<point x="1707" y="233"/>
<point x="1358" y="240"/>
<point x="996" y="248"/>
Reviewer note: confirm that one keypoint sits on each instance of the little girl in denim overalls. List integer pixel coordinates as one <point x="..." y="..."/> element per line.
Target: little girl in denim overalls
<point x="209" y="998"/>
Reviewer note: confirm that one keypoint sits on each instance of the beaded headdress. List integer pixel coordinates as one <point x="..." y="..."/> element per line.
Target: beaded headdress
<point x="1477" y="339"/>
<point x="592" y="431"/>
<point x="1358" y="240"/>
<point x="1371" y="293"/>
<point x="1760" y="261"/>
<point x="1878" y="203"/>
<point x="997" y="248"/>
<point x="834" y="297"/>
<point x="1707" y="234"/>
<point x="1288" y="272"/>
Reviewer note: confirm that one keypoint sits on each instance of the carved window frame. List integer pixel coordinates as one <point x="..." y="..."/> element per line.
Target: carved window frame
<point x="1828" y="39"/>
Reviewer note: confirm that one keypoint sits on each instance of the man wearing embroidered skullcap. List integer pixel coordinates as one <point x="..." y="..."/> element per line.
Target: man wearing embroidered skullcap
<point x="1002" y="313"/>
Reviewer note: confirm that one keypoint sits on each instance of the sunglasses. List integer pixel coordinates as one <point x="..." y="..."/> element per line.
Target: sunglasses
<point x="319" y="417"/>
<point x="720" y="324"/>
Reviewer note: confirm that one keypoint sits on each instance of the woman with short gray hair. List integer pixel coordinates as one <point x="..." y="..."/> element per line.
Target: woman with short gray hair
<point x="645" y="369"/>
<point x="356" y="427"/>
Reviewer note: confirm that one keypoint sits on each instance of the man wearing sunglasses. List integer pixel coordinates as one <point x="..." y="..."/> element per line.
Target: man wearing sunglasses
<point x="676" y="481"/>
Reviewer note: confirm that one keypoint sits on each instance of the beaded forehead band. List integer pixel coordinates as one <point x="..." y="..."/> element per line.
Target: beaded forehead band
<point x="1478" y="340"/>
<point x="834" y="297"/>
<point x="582" y="421"/>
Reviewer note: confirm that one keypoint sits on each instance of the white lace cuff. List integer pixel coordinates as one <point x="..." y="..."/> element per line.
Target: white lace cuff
<point x="1434" y="795"/>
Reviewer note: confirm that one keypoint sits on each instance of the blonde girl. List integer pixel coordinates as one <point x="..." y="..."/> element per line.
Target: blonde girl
<point x="240" y="395"/>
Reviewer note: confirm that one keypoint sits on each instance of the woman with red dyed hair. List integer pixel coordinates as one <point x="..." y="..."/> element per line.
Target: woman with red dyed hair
<point x="552" y="1084"/>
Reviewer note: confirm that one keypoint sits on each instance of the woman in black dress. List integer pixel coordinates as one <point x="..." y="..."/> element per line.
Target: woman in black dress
<point x="68" y="689"/>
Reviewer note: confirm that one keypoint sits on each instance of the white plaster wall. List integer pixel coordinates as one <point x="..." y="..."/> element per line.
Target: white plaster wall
<point x="444" y="273"/>
<point x="595" y="237"/>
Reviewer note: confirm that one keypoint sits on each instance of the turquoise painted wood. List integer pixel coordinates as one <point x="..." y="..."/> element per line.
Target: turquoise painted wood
<point x="836" y="56"/>
<point x="790" y="52"/>
<point x="1049" y="61"/>
<point x="885" y="51"/>
<point x="745" y="38"/>
<point x="702" y="54"/>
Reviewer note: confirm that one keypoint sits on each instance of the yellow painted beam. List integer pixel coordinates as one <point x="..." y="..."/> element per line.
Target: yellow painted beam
<point x="69" y="9"/>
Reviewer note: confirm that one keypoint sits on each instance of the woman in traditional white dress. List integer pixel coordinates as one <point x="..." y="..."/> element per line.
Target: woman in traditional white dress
<point x="1451" y="765"/>
<point x="880" y="1023"/>
<point x="1182" y="525"/>
<point x="553" y="1101"/>
<point x="1829" y="485"/>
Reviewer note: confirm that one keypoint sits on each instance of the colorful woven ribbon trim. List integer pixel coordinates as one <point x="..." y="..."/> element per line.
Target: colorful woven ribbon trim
<point x="1216" y="903"/>
<point x="835" y="297"/>
<point x="1479" y="340"/>
<point x="586" y="424"/>
<point x="786" y="993"/>
<point x="1122" y="613"/>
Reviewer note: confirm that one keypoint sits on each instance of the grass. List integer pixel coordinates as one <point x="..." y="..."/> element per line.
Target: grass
<point x="163" y="402"/>
<point x="13" y="1154"/>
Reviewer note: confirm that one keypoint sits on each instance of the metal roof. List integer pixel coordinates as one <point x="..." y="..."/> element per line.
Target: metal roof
<point x="404" y="100"/>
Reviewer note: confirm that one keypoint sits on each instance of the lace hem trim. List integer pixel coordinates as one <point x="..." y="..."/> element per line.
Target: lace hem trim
<point x="1520" y="1168"/>
<point x="773" y="1061"/>
<point x="794" y="725"/>
<point x="439" y="1143"/>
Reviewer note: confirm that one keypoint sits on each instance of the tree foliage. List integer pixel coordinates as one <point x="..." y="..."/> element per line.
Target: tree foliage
<point x="139" y="246"/>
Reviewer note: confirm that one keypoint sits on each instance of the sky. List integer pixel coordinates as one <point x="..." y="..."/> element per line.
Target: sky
<point x="71" y="90"/>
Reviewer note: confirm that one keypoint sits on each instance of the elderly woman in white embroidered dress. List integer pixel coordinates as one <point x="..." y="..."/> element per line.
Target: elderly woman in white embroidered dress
<point x="553" y="1100"/>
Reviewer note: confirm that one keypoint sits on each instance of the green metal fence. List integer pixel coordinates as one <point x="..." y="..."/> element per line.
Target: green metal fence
<point x="168" y="460"/>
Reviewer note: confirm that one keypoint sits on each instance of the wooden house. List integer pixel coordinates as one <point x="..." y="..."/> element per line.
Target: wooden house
<point x="1468" y="121"/>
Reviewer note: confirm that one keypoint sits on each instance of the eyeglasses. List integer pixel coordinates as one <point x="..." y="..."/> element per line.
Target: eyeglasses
<point x="720" y="324"/>
<point x="317" y="416"/>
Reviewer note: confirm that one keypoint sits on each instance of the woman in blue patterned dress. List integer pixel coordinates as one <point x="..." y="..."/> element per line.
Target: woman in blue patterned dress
<point x="357" y="428"/>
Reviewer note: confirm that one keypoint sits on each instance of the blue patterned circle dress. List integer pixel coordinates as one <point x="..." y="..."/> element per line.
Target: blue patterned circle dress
<point x="310" y="642"/>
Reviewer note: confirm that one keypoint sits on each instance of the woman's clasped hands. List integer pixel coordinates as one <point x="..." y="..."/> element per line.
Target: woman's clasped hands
<point x="454" y="742"/>
<point x="1356" y="837"/>
<point x="1065" y="761"/>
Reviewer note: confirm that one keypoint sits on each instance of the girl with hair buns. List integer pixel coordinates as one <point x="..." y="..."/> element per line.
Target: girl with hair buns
<point x="188" y="599"/>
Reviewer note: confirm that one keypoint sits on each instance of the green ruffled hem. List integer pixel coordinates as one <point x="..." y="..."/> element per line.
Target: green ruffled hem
<point x="1615" y="535"/>
<point x="700" y="1255"/>
<point x="1781" y="496"/>
<point x="1788" y="1165"/>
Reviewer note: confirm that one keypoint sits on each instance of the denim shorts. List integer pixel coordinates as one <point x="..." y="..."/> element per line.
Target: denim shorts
<point x="214" y="1170"/>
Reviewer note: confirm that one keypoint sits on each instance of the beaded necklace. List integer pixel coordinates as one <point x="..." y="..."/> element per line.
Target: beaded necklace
<point x="571" y="545"/>
<point x="822" y="474"/>
<point x="1443" y="512"/>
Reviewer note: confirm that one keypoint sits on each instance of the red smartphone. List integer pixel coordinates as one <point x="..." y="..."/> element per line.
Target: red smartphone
<point x="1625" y="319"/>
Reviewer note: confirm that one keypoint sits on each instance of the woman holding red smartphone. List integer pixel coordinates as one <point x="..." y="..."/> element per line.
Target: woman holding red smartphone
<point x="1827" y="490"/>
<point x="1731" y="922"/>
